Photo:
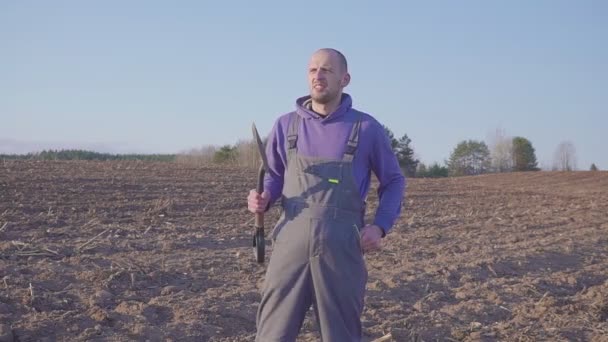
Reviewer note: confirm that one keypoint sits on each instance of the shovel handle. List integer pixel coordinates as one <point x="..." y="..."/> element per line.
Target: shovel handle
<point x="259" y="217"/>
<point x="258" y="236"/>
<point x="261" y="173"/>
<point x="259" y="220"/>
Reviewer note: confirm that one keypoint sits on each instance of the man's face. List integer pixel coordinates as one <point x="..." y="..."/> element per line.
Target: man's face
<point x="326" y="77"/>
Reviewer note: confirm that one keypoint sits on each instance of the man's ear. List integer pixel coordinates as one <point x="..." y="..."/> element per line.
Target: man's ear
<point x="346" y="80"/>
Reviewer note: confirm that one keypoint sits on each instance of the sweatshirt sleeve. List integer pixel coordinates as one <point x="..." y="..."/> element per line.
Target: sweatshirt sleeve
<point x="273" y="179"/>
<point x="392" y="181"/>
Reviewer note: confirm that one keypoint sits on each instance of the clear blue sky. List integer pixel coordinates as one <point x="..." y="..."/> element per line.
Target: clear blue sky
<point x="152" y="76"/>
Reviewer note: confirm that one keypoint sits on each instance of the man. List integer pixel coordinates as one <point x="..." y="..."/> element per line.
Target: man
<point x="321" y="157"/>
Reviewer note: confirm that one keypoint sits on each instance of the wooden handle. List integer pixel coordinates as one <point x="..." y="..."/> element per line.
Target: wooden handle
<point x="259" y="220"/>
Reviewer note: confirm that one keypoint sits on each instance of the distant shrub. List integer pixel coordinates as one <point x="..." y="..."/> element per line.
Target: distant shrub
<point x="433" y="171"/>
<point x="242" y="154"/>
<point x="226" y="155"/>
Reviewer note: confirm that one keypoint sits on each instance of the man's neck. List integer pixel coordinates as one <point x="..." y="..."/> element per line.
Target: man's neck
<point x="324" y="109"/>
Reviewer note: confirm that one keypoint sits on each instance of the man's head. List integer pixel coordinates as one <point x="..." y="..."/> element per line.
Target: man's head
<point x="327" y="75"/>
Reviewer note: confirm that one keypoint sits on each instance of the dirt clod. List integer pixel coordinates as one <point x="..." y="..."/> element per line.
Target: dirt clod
<point x="6" y="333"/>
<point x="102" y="298"/>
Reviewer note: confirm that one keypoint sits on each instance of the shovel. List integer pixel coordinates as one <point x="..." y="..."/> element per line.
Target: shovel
<point x="259" y="243"/>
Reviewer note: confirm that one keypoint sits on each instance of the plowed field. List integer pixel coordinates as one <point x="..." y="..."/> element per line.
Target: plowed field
<point x="122" y="251"/>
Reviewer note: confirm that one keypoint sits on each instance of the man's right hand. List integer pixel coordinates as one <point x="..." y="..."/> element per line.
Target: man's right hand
<point x="257" y="203"/>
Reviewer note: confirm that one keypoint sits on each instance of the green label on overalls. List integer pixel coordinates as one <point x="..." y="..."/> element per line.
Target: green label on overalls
<point x="333" y="180"/>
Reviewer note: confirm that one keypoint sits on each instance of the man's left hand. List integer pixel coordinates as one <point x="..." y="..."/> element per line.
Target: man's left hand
<point x="371" y="238"/>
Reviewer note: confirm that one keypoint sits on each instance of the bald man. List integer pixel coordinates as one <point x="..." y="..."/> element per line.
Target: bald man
<point x="321" y="156"/>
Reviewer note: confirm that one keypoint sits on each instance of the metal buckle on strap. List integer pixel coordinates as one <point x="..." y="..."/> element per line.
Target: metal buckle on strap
<point x="292" y="131"/>
<point x="351" y="147"/>
<point x="292" y="140"/>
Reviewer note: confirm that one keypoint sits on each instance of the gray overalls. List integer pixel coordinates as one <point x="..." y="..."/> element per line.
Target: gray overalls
<point x="317" y="256"/>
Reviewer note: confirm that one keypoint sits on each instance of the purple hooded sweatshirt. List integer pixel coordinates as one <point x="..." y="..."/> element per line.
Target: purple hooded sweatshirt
<point x="326" y="137"/>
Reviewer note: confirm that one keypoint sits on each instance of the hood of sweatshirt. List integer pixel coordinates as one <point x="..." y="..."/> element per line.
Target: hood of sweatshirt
<point x="304" y="109"/>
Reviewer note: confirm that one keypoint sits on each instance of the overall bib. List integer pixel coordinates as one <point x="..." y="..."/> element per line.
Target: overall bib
<point x="317" y="258"/>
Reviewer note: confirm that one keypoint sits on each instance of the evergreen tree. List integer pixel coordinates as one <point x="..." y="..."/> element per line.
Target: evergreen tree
<point x="524" y="157"/>
<point x="405" y="156"/>
<point x="403" y="152"/>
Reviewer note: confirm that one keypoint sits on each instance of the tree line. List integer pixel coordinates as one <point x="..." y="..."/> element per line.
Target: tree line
<point x="86" y="155"/>
<point x="475" y="157"/>
<point x="468" y="157"/>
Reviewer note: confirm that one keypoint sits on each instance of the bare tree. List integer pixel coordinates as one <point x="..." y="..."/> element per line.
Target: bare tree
<point x="565" y="157"/>
<point x="248" y="154"/>
<point x="501" y="151"/>
<point x="201" y="156"/>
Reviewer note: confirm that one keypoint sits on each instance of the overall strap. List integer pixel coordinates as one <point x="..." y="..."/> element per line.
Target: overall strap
<point x="292" y="135"/>
<point x="353" y="140"/>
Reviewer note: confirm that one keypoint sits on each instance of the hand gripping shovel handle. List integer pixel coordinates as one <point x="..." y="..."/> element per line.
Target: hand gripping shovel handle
<point x="258" y="237"/>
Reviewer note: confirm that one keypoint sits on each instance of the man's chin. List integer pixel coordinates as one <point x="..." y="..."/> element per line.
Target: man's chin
<point x="321" y="98"/>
